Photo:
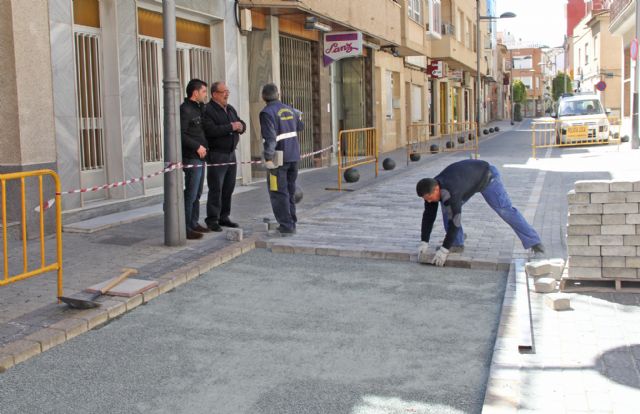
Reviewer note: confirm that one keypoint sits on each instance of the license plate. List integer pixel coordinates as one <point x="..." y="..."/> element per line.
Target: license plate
<point x="578" y="131"/>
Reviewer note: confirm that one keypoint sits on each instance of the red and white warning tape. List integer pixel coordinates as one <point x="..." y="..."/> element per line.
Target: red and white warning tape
<point x="48" y="204"/>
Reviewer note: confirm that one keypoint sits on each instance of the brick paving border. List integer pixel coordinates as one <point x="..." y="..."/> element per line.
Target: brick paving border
<point x="44" y="333"/>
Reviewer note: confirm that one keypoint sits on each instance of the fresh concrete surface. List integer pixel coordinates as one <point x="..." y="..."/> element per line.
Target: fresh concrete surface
<point x="276" y="333"/>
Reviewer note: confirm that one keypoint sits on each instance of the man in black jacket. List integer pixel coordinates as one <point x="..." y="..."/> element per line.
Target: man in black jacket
<point x="453" y="187"/>
<point x="223" y="128"/>
<point x="194" y="150"/>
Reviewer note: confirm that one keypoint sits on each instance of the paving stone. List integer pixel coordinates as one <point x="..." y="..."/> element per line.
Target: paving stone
<point x="538" y="268"/>
<point x="585" y="209"/>
<point x="72" y="327"/>
<point x="21" y="350"/>
<point x="578" y="198"/>
<point x="279" y="248"/>
<point x="592" y="186"/>
<point x="608" y="219"/>
<point x="619" y="208"/>
<point x="574" y="230"/>
<point x="619" y="229"/>
<point x="233" y="234"/>
<point x="114" y="308"/>
<point x="587" y="219"/>
<point x="545" y="285"/>
<point x="625" y="186"/>
<point x="93" y="317"/>
<point x="585" y="261"/>
<point x="583" y="250"/>
<point x="150" y="294"/>
<point x="606" y="240"/>
<point x="633" y="262"/>
<point x="577" y="240"/>
<point x="584" y="272"/>
<point x="165" y="286"/>
<point x="48" y="337"/>
<point x="608" y="198"/>
<point x="618" y="250"/>
<point x="633" y="219"/>
<point x="260" y="228"/>
<point x="614" y="261"/>
<point x="558" y="301"/>
<point x="6" y="362"/>
<point x="617" y="272"/>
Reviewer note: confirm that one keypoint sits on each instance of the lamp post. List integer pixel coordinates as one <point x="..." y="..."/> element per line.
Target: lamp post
<point x="479" y="18"/>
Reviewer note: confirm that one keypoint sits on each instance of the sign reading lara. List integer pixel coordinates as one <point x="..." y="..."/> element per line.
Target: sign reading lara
<point x="340" y="45"/>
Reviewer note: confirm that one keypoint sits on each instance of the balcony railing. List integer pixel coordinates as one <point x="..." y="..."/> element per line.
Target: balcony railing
<point x="616" y="7"/>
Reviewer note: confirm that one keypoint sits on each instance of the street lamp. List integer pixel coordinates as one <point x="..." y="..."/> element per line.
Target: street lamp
<point x="506" y="15"/>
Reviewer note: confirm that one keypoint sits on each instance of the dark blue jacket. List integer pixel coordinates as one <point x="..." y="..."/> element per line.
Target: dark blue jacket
<point x="458" y="183"/>
<point x="280" y="125"/>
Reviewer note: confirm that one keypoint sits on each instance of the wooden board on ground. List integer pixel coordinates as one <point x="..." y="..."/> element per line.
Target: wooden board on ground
<point x="600" y="285"/>
<point x="128" y="288"/>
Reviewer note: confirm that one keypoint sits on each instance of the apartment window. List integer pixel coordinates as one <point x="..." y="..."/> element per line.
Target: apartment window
<point x="528" y="81"/>
<point x="435" y="16"/>
<point x="414" y="8"/>
<point x="389" y="82"/>
<point x="416" y="103"/>
<point x="586" y="53"/>
<point x="459" y="26"/>
<point x="523" y="62"/>
<point x="579" y="56"/>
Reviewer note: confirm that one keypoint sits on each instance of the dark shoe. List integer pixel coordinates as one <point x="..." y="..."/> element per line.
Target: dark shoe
<point x="201" y="229"/>
<point x="193" y="235"/>
<point x="285" y="232"/>
<point x="228" y="223"/>
<point x="456" y="249"/>
<point x="214" y="227"/>
<point x="538" y="248"/>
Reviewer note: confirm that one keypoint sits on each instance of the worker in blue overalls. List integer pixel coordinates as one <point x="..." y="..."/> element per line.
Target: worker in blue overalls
<point x="280" y="125"/>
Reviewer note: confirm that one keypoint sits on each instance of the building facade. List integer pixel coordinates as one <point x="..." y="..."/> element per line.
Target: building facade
<point x="527" y="68"/>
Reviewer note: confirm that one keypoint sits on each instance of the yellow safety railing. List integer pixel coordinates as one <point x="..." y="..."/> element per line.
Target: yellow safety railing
<point x="428" y="138"/>
<point x="573" y="131"/>
<point x="356" y="147"/>
<point x="44" y="267"/>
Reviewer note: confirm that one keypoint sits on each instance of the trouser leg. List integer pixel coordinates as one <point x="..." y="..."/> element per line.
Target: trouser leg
<point x="279" y="196"/>
<point x="459" y="239"/>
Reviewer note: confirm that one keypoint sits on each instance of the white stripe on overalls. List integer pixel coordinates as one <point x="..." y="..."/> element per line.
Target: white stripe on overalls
<point x="286" y="135"/>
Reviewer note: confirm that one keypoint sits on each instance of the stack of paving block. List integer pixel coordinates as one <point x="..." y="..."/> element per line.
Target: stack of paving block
<point x="603" y="230"/>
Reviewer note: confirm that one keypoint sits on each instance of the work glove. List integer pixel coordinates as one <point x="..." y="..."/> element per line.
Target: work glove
<point x="269" y="165"/>
<point x="424" y="248"/>
<point x="441" y="257"/>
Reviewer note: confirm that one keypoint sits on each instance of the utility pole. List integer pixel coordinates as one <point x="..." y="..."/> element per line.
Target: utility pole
<point x="174" y="221"/>
<point x="635" y="127"/>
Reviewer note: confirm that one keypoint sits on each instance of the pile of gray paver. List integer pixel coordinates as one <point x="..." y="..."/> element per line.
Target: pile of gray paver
<point x="546" y="276"/>
<point x="603" y="230"/>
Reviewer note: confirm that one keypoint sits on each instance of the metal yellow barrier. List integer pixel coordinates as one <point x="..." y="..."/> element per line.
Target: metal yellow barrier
<point x="356" y="147"/>
<point x="449" y="137"/>
<point x="44" y="267"/>
<point x="573" y="131"/>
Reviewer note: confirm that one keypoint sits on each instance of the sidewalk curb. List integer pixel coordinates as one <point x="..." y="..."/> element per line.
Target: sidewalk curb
<point x="81" y="321"/>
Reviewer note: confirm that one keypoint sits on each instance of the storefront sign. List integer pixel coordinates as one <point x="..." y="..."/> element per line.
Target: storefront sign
<point x="340" y="45"/>
<point x="455" y="75"/>
<point x="436" y="69"/>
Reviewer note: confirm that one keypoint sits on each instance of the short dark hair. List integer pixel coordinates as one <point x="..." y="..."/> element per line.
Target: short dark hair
<point x="426" y="186"/>
<point x="270" y="92"/>
<point x="194" y="85"/>
<point x="214" y="86"/>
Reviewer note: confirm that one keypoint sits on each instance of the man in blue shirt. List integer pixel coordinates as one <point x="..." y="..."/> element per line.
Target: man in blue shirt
<point x="280" y="125"/>
<point x="453" y="187"/>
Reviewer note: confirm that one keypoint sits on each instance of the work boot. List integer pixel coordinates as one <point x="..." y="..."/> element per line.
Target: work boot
<point x="214" y="227"/>
<point x="201" y="229"/>
<point x="228" y="223"/>
<point x="193" y="235"/>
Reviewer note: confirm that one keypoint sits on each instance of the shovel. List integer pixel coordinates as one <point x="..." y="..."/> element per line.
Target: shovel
<point x="90" y="302"/>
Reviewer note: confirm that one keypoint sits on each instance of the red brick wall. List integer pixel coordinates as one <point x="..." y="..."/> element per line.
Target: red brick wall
<point x="576" y="10"/>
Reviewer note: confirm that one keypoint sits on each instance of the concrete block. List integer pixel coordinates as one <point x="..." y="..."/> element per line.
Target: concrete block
<point x="606" y="240"/>
<point x="193" y="272"/>
<point x="586" y="219"/>
<point x="545" y="285"/>
<point x="150" y="294"/>
<point x="619" y="273"/>
<point x="48" y="337"/>
<point x="304" y="250"/>
<point x="608" y="219"/>
<point x="618" y="250"/>
<point x="6" y="362"/>
<point x="584" y="250"/>
<point x="558" y="301"/>
<point x="71" y="326"/>
<point x="583" y="230"/>
<point x="621" y="186"/>
<point x="538" y="268"/>
<point x="425" y="257"/>
<point x="577" y="240"/>
<point x="114" y="308"/>
<point x="620" y="208"/>
<point x="585" y="261"/>
<point x="633" y="197"/>
<point x="632" y="240"/>
<point x="584" y="272"/>
<point x="578" y="198"/>
<point x="21" y="350"/>
<point x="261" y="244"/>
<point x="633" y="218"/>
<point x="633" y="262"/>
<point x="399" y="256"/>
<point x="636" y="186"/>
<point x="592" y="186"/>
<point x="93" y="317"/>
<point x="165" y="286"/>
<point x="134" y="302"/>
<point x="282" y="249"/>
<point x="234" y="235"/>
<point x="608" y="198"/>
<point x="614" y="261"/>
<point x="619" y="229"/>
<point x="585" y="209"/>
<point x="260" y="228"/>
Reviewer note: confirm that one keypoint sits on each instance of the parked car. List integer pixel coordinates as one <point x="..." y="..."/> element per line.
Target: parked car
<point x="581" y="119"/>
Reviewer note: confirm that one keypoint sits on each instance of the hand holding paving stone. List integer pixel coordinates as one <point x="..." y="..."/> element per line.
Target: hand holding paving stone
<point x="441" y="257"/>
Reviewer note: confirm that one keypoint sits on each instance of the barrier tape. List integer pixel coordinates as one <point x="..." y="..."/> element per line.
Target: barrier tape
<point x="170" y="167"/>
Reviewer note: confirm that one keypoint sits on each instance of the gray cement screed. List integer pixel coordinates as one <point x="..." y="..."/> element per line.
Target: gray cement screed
<point x="277" y="333"/>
